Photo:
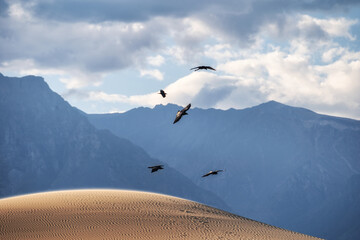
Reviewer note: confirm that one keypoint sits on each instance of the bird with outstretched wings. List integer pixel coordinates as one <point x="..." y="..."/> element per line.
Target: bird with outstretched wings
<point x="212" y="173"/>
<point x="162" y="93"/>
<point x="202" y="67"/>
<point x="156" y="168"/>
<point x="181" y="113"/>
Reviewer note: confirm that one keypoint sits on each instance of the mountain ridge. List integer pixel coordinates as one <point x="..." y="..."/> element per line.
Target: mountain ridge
<point x="46" y="144"/>
<point x="280" y="161"/>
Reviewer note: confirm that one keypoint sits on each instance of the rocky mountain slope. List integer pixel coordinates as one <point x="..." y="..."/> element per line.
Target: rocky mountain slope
<point x="46" y="144"/>
<point x="285" y="166"/>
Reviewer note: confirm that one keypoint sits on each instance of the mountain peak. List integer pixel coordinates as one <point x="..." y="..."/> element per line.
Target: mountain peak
<point x="274" y="107"/>
<point x="29" y="82"/>
<point x="273" y="104"/>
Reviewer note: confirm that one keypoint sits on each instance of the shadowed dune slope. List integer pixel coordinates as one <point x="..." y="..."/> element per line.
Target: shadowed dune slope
<point x="117" y="214"/>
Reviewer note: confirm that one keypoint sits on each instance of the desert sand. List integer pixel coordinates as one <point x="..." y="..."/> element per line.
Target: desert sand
<point x="118" y="214"/>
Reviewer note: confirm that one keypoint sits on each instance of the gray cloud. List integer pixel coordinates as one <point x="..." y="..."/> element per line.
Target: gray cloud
<point x="114" y="10"/>
<point x="91" y="48"/>
<point x="75" y="93"/>
<point x="241" y="20"/>
<point x="209" y="96"/>
<point x="92" y="36"/>
<point x="138" y="10"/>
<point x="238" y="20"/>
<point x="3" y="7"/>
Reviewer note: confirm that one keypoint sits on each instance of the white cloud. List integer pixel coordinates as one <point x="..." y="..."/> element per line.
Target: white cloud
<point x="78" y="80"/>
<point x="289" y="77"/>
<point x="17" y="11"/>
<point x="188" y="36"/>
<point x="262" y="51"/>
<point x="335" y="27"/>
<point x="72" y="78"/>
<point x="156" y="61"/>
<point x="80" y="49"/>
<point x="220" y="52"/>
<point x="201" y="89"/>
<point x="102" y="96"/>
<point x="148" y="100"/>
<point x="294" y="79"/>
<point x="306" y="27"/>
<point x="155" y="73"/>
<point x="329" y="55"/>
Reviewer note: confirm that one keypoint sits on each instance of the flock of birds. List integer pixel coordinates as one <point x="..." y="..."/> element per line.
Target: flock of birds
<point x="179" y="115"/>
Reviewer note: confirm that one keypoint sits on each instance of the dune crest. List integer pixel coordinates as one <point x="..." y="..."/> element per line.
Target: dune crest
<point x="119" y="214"/>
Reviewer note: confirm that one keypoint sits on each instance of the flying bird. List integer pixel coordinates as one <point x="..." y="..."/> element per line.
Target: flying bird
<point x="156" y="168"/>
<point x="181" y="113"/>
<point x="212" y="173"/>
<point x="202" y="67"/>
<point x="163" y="93"/>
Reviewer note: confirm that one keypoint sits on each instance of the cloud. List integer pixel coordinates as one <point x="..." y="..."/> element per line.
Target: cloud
<point x="309" y="28"/>
<point x="188" y="36"/>
<point x="201" y="89"/>
<point x="263" y="50"/>
<point x="140" y="11"/>
<point x="155" y="73"/>
<point x="128" y="28"/>
<point x="102" y="96"/>
<point x="71" y="77"/>
<point x="156" y="61"/>
<point x="293" y="78"/>
<point x="149" y="100"/>
<point x="113" y="10"/>
<point x="3" y="7"/>
<point x="76" y="47"/>
<point x="110" y="43"/>
<point x="330" y="54"/>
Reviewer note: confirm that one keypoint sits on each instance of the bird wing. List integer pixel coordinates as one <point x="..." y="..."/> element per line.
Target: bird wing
<point x="156" y="166"/>
<point x="205" y="175"/>
<point x="186" y="108"/>
<point x="177" y="119"/>
<point x="194" y="68"/>
<point x="178" y="116"/>
<point x="211" y="68"/>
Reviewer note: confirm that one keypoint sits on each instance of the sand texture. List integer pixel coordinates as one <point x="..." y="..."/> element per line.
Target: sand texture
<point x="117" y="214"/>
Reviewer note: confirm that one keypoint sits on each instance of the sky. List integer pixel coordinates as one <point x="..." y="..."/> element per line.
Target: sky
<point x="115" y="55"/>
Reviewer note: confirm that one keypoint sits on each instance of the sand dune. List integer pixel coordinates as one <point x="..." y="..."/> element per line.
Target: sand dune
<point x="116" y="214"/>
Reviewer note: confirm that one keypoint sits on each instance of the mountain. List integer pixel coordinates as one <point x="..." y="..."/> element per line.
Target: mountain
<point x="286" y="166"/>
<point x="46" y="144"/>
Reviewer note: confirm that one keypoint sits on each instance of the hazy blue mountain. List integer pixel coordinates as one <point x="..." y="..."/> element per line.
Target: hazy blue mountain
<point x="285" y="166"/>
<point x="45" y="144"/>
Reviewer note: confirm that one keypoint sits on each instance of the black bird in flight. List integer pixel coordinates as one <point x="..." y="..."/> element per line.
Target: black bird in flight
<point x="163" y="93"/>
<point x="202" y="67"/>
<point x="179" y="114"/>
<point x="156" y="168"/>
<point x="212" y="173"/>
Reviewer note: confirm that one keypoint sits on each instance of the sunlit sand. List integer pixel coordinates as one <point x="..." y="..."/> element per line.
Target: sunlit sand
<point x="117" y="214"/>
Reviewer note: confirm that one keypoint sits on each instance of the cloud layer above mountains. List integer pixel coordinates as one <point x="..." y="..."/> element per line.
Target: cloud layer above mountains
<point x="303" y="53"/>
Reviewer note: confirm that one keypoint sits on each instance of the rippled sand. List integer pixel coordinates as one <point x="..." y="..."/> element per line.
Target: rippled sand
<point x="117" y="214"/>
